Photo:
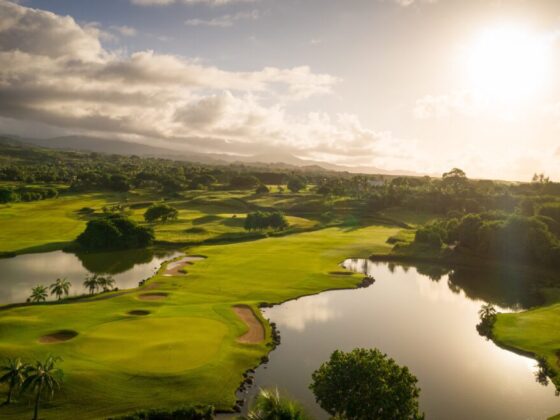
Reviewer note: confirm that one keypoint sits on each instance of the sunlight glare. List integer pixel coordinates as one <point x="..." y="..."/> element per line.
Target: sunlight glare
<point x="508" y="64"/>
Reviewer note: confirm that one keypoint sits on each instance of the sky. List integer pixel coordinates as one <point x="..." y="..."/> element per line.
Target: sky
<point x="415" y="85"/>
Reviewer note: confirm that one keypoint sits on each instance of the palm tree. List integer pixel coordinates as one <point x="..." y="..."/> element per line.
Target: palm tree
<point x="14" y="373"/>
<point x="269" y="405"/>
<point x="39" y="294"/>
<point x="60" y="287"/>
<point x="106" y="282"/>
<point x="43" y="379"/>
<point x="91" y="283"/>
<point x="487" y="311"/>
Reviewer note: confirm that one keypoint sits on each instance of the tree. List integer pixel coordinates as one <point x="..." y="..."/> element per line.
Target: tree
<point x="244" y="182"/>
<point x="262" y="220"/>
<point x="39" y="294"/>
<point x="160" y="212"/>
<point x="488" y="317"/>
<point x="43" y="379"/>
<point x="455" y="179"/>
<point x="114" y="231"/>
<point x="91" y="283"/>
<point x="14" y="373"/>
<point x="365" y="384"/>
<point x="296" y="184"/>
<point x="60" y="287"/>
<point x="107" y="283"/>
<point x="262" y="189"/>
<point x="270" y="405"/>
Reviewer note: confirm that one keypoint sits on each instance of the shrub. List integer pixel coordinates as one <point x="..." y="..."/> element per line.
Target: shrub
<point x="183" y="413"/>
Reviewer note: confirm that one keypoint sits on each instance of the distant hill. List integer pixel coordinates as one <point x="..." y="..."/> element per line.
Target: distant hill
<point x="278" y="159"/>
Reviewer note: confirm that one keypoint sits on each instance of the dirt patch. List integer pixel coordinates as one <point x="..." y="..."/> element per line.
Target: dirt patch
<point x="175" y="268"/>
<point x="256" y="330"/>
<point x="153" y="296"/>
<point x="341" y="273"/>
<point x="139" y="312"/>
<point x="58" y="337"/>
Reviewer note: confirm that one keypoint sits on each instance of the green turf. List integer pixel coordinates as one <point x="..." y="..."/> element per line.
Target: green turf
<point x="185" y="351"/>
<point x="535" y="332"/>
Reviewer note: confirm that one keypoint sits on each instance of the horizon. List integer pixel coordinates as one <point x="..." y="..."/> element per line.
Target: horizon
<point x="409" y="86"/>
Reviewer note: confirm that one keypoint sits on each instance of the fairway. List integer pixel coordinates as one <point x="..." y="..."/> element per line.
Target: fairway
<point x="535" y="332"/>
<point x="186" y="342"/>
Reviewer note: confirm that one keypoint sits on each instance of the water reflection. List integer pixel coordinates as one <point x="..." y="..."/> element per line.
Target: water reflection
<point x="302" y="314"/>
<point x="426" y="322"/>
<point x="18" y="275"/>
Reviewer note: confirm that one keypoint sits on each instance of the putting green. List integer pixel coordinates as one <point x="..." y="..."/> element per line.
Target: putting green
<point x="158" y="345"/>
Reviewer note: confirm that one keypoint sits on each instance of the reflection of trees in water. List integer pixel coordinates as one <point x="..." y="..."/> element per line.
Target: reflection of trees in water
<point x="114" y="262"/>
<point x="544" y="372"/>
<point x="506" y="287"/>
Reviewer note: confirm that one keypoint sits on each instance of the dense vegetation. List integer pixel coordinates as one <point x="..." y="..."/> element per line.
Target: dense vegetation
<point x="114" y="232"/>
<point x="263" y="220"/>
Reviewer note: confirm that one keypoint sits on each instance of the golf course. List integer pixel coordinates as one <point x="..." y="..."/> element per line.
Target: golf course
<point x="178" y="339"/>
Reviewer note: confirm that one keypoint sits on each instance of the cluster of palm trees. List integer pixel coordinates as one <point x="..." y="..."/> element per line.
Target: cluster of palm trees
<point x="41" y="379"/>
<point x="96" y="282"/>
<point x="61" y="287"/>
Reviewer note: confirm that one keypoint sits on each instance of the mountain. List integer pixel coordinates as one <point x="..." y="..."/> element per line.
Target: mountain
<point x="278" y="159"/>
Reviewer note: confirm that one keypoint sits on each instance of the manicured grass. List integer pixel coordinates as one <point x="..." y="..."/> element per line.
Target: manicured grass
<point x="185" y="351"/>
<point x="45" y="225"/>
<point x="48" y="225"/>
<point x="535" y="331"/>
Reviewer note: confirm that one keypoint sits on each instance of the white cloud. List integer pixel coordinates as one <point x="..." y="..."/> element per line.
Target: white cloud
<point x="56" y="72"/>
<point x="224" y="21"/>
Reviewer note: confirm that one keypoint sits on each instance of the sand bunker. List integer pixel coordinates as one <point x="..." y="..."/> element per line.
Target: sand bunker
<point x="139" y="312"/>
<point x="256" y="330"/>
<point x="153" y="296"/>
<point x="174" y="268"/>
<point x="58" y="337"/>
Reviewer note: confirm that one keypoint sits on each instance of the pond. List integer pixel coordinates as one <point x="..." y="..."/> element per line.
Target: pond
<point x="424" y="318"/>
<point x="18" y="275"/>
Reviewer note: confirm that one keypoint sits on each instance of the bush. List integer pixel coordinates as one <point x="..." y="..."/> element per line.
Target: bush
<point x="160" y="212"/>
<point x="262" y="189"/>
<point x="183" y="413"/>
<point x="365" y="384"/>
<point x="263" y="220"/>
<point x="114" y="232"/>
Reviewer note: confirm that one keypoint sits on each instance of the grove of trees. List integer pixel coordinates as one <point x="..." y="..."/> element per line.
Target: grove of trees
<point x="114" y="231"/>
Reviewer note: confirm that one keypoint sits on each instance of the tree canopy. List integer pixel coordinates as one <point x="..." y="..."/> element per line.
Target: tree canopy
<point x="365" y="384"/>
<point x="114" y="232"/>
<point x="160" y="212"/>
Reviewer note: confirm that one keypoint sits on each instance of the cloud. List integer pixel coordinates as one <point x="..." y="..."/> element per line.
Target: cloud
<point x="406" y="3"/>
<point x="125" y="30"/>
<point x="56" y="72"/>
<point x="207" y="2"/>
<point x="224" y="21"/>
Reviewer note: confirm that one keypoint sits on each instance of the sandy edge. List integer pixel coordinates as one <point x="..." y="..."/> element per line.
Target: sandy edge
<point x="256" y="333"/>
<point x="174" y="268"/>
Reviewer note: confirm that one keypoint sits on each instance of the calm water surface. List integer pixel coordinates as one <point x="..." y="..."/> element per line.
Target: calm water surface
<point x="424" y="318"/>
<point x="18" y="275"/>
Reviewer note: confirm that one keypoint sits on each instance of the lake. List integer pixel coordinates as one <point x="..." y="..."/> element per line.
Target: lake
<point x="424" y="318"/>
<point x="18" y="275"/>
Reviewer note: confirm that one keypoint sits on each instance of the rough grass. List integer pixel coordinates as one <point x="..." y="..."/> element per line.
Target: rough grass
<point x="185" y="351"/>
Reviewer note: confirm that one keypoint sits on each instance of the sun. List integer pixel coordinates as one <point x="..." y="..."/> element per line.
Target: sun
<point x="507" y="64"/>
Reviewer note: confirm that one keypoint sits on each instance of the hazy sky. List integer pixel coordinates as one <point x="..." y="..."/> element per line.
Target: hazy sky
<point x="419" y="85"/>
